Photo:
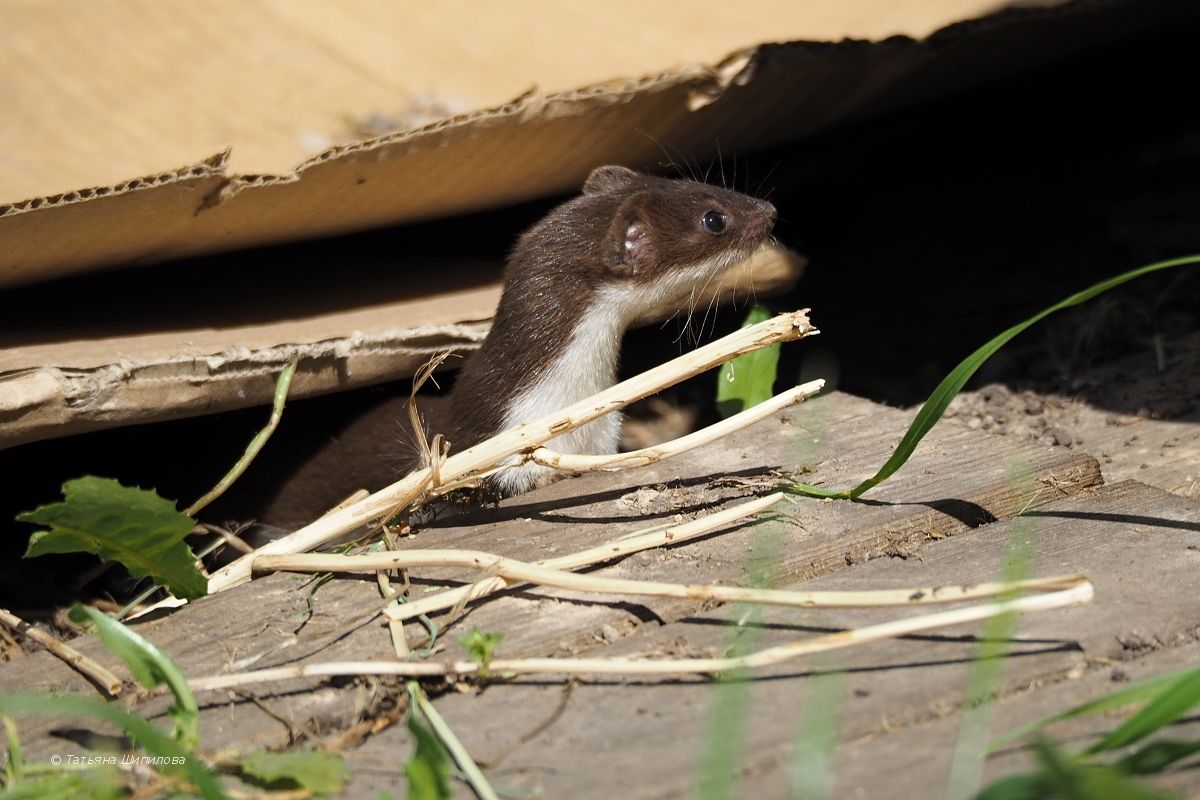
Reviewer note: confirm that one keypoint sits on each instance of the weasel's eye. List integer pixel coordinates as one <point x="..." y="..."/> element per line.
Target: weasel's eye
<point x="713" y="222"/>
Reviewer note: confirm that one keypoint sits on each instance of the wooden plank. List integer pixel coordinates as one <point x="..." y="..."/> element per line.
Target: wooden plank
<point x="645" y="739"/>
<point x="958" y="480"/>
<point x="923" y="770"/>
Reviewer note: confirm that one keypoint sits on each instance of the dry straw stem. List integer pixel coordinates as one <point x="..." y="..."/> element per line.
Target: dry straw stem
<point x="523" y="438"/>
<point x="571" y="462"/>
<point x="1079" y="591"/>
<point x="650" y="455"/>
<point x="74" y="659"/>
<point x="646" y="539"/>
<point x="513" y="571"/>
<point x="396" y="629"/>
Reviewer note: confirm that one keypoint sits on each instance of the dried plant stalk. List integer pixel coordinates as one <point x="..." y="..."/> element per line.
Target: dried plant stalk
<point x="76" y="660"/>
<point x="650" y="455"/>
<point x="1079" y="591"/>
<point x="523" y="438"/>
<point x="513" y="571"/>
<point x="638" y="541"/>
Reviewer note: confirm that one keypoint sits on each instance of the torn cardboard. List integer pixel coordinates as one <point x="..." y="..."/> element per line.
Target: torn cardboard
<point x="269" y="105"/>
<point x="93" y="147"/>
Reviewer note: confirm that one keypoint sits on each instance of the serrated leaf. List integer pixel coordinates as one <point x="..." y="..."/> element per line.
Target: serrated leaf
<point x="319" y="771"/>
<point x="175" y="760"/>
<point x="428" y="769"/>
<point x="104" y="783"/>
<point x="748" y="379"/>
<point x="135" y="527"/>
<point x="150" y="667"/>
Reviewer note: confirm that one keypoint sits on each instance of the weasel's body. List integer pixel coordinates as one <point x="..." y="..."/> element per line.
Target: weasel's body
<point x="573" y="285"/>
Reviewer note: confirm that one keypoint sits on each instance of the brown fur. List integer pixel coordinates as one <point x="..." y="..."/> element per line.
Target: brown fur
<point x="625" y="227"/>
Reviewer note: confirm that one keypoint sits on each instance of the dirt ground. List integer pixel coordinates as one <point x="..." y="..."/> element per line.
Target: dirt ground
<point x="1148" y="428"/>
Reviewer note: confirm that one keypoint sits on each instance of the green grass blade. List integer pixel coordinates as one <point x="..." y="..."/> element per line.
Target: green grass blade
<point x="176" y="760"/>
<point x="814" y="752"/>
<point x="1172" y="703"/>
<point x="150" y="667"/>
<point x="749" y="379"/>
<point x="1070" y="780"/>
<point x="428" y="770"/>
<point x="1139" y="692"/>
<point x="1157" y="756"/>
<point x="723" y="741"/>
<point x="14" y="766"/>
<point x="1025" y="786"/>
<point x="953" y="383"/>
<point x="283" y="385"/>
<point x="986" y="677"/>
<point x="103" y="783"/>
<point x="424" y="718"/>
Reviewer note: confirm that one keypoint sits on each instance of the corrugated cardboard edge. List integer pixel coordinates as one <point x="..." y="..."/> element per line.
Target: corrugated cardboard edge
<point x="543" y="144"/>
<point x="52" y="401"/>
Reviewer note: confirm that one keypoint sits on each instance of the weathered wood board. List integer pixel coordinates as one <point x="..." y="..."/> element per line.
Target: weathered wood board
<point x="958" y="480"/>
<point x="901" y="700"/>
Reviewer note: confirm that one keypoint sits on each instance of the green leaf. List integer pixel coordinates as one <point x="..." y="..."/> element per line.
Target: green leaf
<point x="134" y="526"/>
<point x="150" y="667"/>
<point x="1138" y="692"/>
<point x="319" y="771"/>
<point x="175" y="760"/>
<point x="953" y="383"/>
<point x="1157" y="756"/>
<point x="748" y="379"/>
<point x="104" y="783"/>
<point x="428" y="769"/>
<point x="480" y="645"/>
<point x="1073" y="781"/>
<point x="14" y="766"/>
<point x="1173" y="702"/>
<point x="1025" y="786"/>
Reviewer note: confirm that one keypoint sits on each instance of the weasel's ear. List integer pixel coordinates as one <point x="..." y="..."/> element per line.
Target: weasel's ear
<point x="608" y="179"/>
<point x="632" y="248"/>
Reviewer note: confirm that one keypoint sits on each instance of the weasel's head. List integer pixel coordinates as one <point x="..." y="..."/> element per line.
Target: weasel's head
<point x="668" y="234"/>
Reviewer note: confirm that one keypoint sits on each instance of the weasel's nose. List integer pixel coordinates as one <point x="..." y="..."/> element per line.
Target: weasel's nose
<point x="766" y="209"/>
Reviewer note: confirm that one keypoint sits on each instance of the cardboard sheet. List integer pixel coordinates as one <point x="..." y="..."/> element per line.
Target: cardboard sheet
<point x="141" y="132"/>
<point x="232" y="123"/>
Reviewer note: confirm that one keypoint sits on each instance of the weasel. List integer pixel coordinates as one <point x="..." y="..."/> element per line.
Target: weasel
<point x="574" y="283"/>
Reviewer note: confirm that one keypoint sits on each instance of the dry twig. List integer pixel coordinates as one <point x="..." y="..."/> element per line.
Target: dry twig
<point x="1078" y="591"/>
<point x="73" y="658"/>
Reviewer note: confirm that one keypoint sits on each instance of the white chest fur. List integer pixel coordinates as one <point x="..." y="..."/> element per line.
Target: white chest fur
<point x="586" y="365"/>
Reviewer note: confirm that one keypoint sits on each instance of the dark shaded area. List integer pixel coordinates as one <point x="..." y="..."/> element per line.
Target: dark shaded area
<point x="1121" y="519"/>
<point x="928" y="232"/>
